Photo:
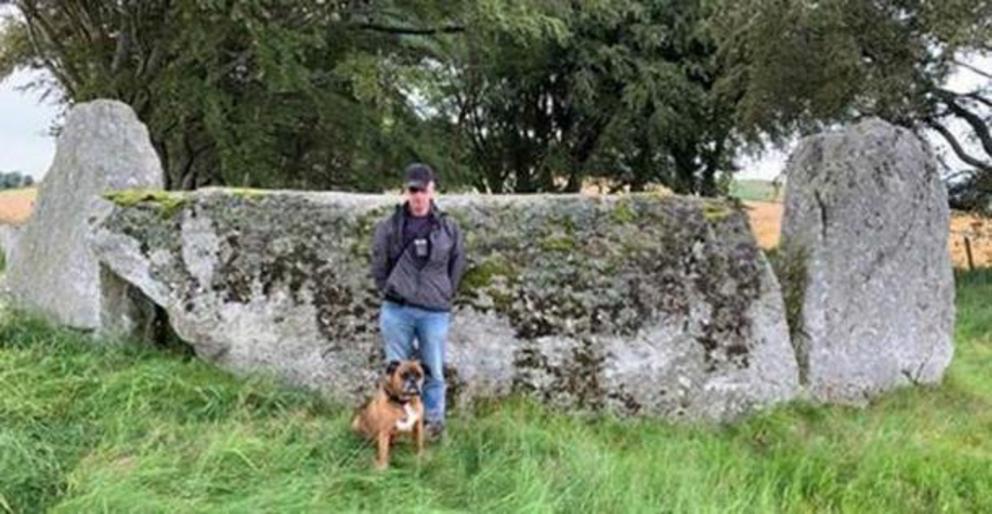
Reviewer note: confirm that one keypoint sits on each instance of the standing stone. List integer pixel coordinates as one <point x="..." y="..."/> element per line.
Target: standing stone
<point x="51" y="270"/>
<point x="871" y="288"/>
<point x="8" y="239"/>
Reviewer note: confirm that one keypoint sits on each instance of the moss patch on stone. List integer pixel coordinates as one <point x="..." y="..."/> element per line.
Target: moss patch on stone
<point x="563" y="222"/>
<point x="169" y="202"/>
<point x="361" y="246"/>
<point x="461" y="218"/>
<point x="247" y="192"/>
<point x="481" y="275"/>
<point x="716" y="210"/>
<point x="623" y="212"/>
<point x="558" y="243"/>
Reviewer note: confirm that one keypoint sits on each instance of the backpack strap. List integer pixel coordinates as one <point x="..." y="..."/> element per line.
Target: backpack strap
<point x="395" y="239"/>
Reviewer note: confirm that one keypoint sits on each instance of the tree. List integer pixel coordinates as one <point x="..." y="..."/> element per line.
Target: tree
<point x="14" y="179"/>
<point x="254" y="92"/>
<point x="616" y="88"/>
<point x="508" y="95"/>
<point x="803" y="64"/>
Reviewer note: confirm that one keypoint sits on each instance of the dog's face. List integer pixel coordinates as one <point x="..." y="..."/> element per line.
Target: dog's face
<point x="404" y="379"/>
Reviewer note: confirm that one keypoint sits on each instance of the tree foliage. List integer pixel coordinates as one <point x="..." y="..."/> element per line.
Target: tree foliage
<point x="505" y="95"/>
<point x="15" y="179"/>
<point x="624" y="91"/>
<point x="803" y="64"/>
<point x="250" y="92"/>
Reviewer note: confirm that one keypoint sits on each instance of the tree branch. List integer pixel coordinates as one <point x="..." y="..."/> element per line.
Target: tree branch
<point x="973" y="69"/>
<point x="63" y="78"/>
<point x="38" y="26"/>
<point x="123" y="44"/>
<point x="976" y="121"/>
<point x="956" y="146"/>
<point x="978" y="98"/>
<point x="411" y="31"/>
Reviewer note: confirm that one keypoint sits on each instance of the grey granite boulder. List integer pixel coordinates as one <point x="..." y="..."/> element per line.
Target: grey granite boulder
<point x="51" y="269"/>
<point x="865" y="234"/>
<point x="638" y="305"/>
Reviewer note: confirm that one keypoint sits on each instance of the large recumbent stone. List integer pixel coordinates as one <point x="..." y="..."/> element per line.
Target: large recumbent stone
<point x="639" y="304"/>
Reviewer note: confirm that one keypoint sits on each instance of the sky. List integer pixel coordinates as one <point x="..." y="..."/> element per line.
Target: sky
<point x="25" y="145"/>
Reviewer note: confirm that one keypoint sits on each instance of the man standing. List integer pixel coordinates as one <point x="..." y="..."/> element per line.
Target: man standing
<point x="417" y="262"/>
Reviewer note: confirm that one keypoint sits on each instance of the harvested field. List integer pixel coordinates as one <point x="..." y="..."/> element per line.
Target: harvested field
<point x="16" y="205"/>
<point x="766" y="219"/>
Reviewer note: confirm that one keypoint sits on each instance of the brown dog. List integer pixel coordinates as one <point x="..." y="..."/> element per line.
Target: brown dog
<point x="394" y="409"/>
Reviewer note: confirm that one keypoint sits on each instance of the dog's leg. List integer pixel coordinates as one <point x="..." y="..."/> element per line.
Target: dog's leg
<point x="382" y="455"/>
<point x="418" y="436"/>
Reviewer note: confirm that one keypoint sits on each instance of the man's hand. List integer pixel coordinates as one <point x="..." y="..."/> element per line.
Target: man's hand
<point x="380" y="255"/>
<point x="456" y="263"/>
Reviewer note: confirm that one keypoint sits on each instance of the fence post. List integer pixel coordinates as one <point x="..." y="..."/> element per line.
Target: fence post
<point x="967" y="252"/>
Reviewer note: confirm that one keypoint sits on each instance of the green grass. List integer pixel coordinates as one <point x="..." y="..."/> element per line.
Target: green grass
<point x="125" y="429"/>
<point x="755" y="190"/>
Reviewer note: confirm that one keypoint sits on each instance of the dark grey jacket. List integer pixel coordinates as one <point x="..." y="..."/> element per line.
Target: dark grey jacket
<point x="395" y="269"/>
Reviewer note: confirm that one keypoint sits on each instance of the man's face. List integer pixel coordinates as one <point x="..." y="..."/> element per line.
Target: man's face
<point x="420" y="198"/>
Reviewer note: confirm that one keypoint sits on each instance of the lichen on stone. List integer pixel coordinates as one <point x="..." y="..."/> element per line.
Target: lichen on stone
<point x="611" y="268"/>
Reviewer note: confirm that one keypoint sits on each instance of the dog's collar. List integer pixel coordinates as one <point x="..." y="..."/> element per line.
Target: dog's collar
<point x="397" y="400"/>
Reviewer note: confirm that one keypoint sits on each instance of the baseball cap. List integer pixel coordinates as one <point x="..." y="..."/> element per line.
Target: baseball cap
<point x="418" y="175"/>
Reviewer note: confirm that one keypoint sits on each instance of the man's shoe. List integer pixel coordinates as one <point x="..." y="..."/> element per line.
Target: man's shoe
<point x="435" y="430"/>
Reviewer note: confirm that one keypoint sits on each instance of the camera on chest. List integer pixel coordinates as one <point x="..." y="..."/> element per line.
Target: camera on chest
<point x="420" y="247"/>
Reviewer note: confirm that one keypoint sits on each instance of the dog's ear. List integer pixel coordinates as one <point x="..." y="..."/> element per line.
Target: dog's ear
<point x="391" y="367"/>
<point x="426" y="368"/>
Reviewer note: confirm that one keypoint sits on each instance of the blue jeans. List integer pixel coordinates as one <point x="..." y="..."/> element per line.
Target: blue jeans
<point x="399" y="324"/>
